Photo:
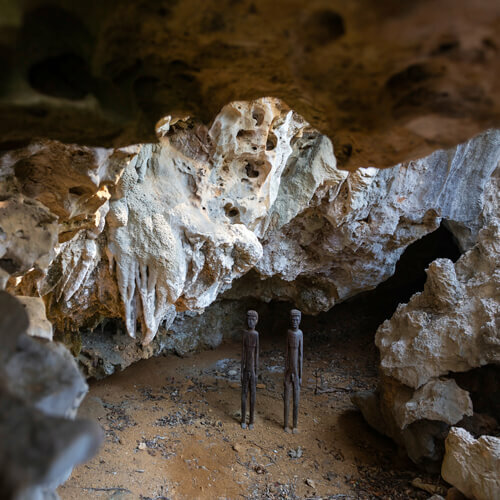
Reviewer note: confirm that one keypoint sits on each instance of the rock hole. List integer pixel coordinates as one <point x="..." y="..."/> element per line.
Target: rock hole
<point x="78" y="190"/>
<point x="323" y="26"/>
<point x="272" y="141"/>
<point x="413" y="74"/>
<point x="251" y="170"/>
<point x="258" y="115"/>
<point x="66" y="76"/>
<point x="231" y="211"/>
<point x="446" y="47"/>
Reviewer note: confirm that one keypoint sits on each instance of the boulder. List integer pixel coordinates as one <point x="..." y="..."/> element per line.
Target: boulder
<point x="472" y="465"/>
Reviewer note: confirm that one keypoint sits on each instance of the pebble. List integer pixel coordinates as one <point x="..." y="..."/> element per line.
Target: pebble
<point x="310" y="483"/>
<point x="232" y="373"/>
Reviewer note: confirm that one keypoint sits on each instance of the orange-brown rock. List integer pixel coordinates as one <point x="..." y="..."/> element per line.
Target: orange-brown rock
<point x="386" y="81"/>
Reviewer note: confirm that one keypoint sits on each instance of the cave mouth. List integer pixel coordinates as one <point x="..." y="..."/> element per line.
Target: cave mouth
<point x="172" y="422"/>
<point x="362" y="314"/>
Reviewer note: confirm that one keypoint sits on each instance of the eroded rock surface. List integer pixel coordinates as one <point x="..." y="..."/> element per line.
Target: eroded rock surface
<point x="450" y="328"/>
<point x="454" y="324"/>
<point x="472" y="465"/>
<point x="254" y="206"/>
<point x="390" y="81"/>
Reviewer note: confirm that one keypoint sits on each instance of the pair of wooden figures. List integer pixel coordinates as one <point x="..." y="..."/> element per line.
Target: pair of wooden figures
<point x="293" y="368"/>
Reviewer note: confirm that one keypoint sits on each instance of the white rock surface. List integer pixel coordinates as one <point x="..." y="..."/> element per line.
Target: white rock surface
<point x="454" y="324"/>
<point x="440" y="400"/>
<point x="350" y="235"/>
<point x="472" y="465"/>
<point x="259" y="191"/>
<point x="28" y="235"/>
<point x="39" y="326"/>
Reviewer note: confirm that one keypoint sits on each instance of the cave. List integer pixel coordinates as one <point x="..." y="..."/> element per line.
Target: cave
<point x="195" y="196"/>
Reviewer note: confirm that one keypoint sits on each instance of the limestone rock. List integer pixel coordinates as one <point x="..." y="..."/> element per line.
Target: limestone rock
<point x="28" y="235"/>
<point x="413" y="423"/>
<point x="440" y="400"/>
<point x="40" y="326"/>
<point x="81" y="73"/>
<point x="254" y="206"/>
<point x="260" y="191"/>
<point x="351" y="233"/>
<point x="472" y="465"/>
<point x="453" y="325"/>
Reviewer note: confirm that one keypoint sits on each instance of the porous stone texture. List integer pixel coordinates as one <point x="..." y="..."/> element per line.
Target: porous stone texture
<point x="351" y="233"/>
<point x="453" y="326"/>
<point x="258" y="197"/>
<point x="472" y="465"/>
<point x="40" y="390"/>
<point x="49" y="193"/>
<point x="98" y="75"/>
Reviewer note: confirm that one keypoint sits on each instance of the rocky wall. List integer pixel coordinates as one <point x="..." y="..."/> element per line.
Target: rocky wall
<point x="431" y="351"/>
<point x="253" y="207"/>
<point x="387" y="81"/>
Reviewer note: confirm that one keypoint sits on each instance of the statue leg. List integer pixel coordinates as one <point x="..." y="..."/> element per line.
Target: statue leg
<point x="286" y="398"/>
<point x="296" y="400"/>
<point x="244" y="394"/>
<point x="252" y="400"/>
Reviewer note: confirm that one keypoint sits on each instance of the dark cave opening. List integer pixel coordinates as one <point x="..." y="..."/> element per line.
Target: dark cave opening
<point x="483" y="386"/>
<point x="361" y="315"/>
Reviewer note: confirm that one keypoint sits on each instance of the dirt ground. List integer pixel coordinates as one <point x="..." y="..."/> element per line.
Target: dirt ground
<point x="172" y="431"/>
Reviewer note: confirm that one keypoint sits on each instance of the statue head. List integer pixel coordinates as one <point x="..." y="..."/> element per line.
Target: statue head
<point x="252" y="318"/>
<point x="295" y="317"/>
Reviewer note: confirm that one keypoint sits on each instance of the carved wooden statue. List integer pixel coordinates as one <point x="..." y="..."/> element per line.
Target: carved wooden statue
<point x="293" y="368"/>
<point x="249" y="367"/>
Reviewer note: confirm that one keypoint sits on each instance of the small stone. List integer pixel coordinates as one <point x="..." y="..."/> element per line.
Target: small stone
<point x="261" y="386"/>
<point x="295" y="453"/>
<point x="237" y="448"/>
<point x="259" y="469"/>
<point x="430" y="488"/>
<point x="232" y="373"/>
<point x="310" y="483"/>
<point x="142" y="446"/>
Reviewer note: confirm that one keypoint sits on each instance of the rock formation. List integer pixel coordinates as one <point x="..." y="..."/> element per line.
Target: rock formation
<point x="255" y="203"/>
<point x="254" y="206"/>
<point x="472" y="465"/>
<point x="389" y="82"/>
<point x="452" y="326"/>
<point x="40" y="390"/>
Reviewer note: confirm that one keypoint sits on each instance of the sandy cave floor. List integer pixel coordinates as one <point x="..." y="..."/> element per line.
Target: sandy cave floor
<point x="172" y="431"/>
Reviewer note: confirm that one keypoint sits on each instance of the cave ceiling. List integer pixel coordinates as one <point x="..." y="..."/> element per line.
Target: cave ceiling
<point x="386" y="81"/>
